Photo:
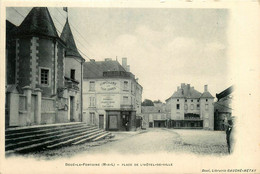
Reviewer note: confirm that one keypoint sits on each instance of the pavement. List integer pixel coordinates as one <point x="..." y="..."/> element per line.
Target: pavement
<point x="200" y="142"/>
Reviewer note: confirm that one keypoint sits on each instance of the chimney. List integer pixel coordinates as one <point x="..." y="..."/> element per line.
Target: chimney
<point x="178" y="88"/>
<point x="205" y="88"/>
<point x="124" y="62"/>
<point x="188" y="89"/>
<point x="182" y="85"/>
<point x="108" y="59"/>
<point x="92" y="60"/>
<point x="128" y="68"/>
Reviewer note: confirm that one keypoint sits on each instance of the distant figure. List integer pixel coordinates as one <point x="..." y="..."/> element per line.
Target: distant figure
<point x="232" y="139"/>
<point x="126" y="126"/>
<point x="229" y="133"/>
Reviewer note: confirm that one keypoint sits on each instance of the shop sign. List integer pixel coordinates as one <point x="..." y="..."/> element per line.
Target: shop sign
<point x="108" y="86"/>
<point x="108" y="101"/>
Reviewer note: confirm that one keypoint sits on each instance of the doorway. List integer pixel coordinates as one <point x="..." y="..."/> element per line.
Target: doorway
<point x="101" y="121"/>
<point x="71" y="116"/>
<point x="113" y="122"/>
<point x="159" y="123"/>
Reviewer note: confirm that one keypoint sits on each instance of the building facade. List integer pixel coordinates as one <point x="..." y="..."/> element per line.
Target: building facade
<point x="37" y="80"/>
<point x="223" y="108"/>
<point x="111" y="95"/>
<point x="188" y="108"/>
<point x="155" y="116"/>
<point x="73" y="74"/>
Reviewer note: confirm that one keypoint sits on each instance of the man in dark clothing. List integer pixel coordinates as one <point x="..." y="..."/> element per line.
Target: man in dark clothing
<point x="228" y="126"/>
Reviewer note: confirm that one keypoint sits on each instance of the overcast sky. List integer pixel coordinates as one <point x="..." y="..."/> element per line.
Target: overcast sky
<point x="164" y="47"/>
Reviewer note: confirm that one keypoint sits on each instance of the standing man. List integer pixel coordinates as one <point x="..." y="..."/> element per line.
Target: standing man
<point x="228" y="126"/>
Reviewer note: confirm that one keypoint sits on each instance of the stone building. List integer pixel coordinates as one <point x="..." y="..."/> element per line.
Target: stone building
<point x="37" y="60"/>
<point x="189" y="108"/>
<point x="155" y="116"/>
<point x="223" y="108"/>
<point x="112" y="95"/>
<point x="73" y="75"/>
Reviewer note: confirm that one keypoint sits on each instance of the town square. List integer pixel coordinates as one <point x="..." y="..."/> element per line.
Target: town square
<point x="124" y="87"/>
<point x="57" y="96"/>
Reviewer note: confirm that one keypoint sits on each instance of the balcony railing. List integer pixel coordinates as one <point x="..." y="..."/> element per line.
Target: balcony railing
<point x="191" y="116"/>
<point x="71" y="83"/>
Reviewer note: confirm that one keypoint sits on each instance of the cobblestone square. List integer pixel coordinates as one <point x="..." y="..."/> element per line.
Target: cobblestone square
<point x="156" y="140"/>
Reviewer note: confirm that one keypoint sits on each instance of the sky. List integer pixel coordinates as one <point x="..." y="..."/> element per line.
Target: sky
<point x="164" y="46"/>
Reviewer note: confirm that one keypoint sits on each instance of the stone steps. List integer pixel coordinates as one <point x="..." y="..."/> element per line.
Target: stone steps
<point x="35" y="138"/>
<point x="42" y="134"/>
<point x="31" y="130"/>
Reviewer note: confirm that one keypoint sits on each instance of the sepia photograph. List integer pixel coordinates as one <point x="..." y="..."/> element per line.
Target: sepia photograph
<point x="112" y="88"/>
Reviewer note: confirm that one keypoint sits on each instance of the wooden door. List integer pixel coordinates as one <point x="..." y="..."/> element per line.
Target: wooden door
<point x="113" y="122"/>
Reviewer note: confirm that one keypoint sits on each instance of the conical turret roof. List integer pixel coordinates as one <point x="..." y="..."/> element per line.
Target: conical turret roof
<point x="38" y="22"/>
<point x="67" y="37"/>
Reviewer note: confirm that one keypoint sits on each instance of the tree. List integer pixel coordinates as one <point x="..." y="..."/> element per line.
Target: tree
<point x="157" y="101"/>
<point x="147" y="102"/>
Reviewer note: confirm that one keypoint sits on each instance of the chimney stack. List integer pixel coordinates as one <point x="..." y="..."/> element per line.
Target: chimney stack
<point x="182" y="85"/>
<point x="124" y="62"/>
<point x="128" y="68"/>
<point x="205" y="88"/>
<point x="108" y="59"/>
<point x="178" y="88"/>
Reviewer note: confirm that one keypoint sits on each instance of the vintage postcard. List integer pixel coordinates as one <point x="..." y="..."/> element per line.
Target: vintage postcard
<point x="152" y="86"/>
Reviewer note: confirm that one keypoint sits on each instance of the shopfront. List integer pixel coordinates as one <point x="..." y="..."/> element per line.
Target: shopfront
<point x="118" y="120"/>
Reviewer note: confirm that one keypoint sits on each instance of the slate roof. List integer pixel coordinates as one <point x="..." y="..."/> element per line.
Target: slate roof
<point x="186" y="92"/>
<point x="95" y="69"/>
<point x="38" y="22"/>
<point x="206" y="95"/>
<point x="10" y="27"/>
<point x="67" y="37"/>
<point x="225" y="93"/>
<point x="10" y="31"/>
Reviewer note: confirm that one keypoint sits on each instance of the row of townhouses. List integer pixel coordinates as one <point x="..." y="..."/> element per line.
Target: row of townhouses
<point x="188" y="108"/>
<point x="48" y="81"/>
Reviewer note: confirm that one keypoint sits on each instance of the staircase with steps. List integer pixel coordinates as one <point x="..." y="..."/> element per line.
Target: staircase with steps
<point x="34" y="138"/>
